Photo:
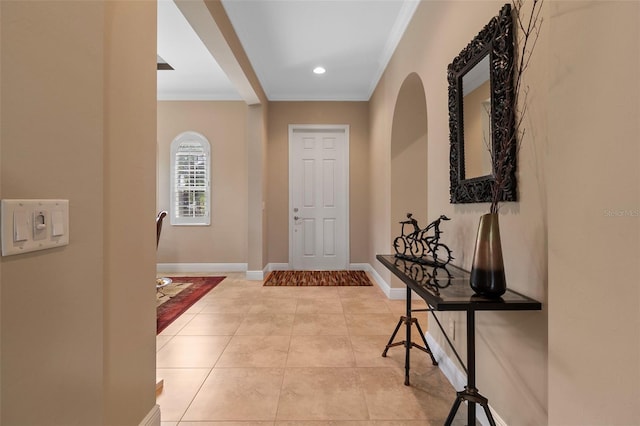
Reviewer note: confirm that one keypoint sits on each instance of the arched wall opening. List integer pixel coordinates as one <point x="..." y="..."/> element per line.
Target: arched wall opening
<point x="409" y="157"/>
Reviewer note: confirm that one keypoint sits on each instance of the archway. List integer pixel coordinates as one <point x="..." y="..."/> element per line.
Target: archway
<point x="409" y="156"/>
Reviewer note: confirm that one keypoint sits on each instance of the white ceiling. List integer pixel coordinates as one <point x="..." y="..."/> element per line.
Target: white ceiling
<point x="285" y="40"/>
<point x="196" y="75"/>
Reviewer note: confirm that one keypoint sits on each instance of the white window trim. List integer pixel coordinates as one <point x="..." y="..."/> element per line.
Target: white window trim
<point x="205" y="220"/>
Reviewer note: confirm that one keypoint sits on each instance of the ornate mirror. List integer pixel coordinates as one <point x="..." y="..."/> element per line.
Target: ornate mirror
<point x="481" y="116"/>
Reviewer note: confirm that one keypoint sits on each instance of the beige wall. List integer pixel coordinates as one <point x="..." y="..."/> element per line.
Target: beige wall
<point x="224" y="124"/>
<point x="409" y="155"/>
<point x="265" y="182"/>
<point x="281" y="114"/>
<point x="257" y="166"/>
<point x="511" y="347"/>
<point x="409" y="173"/>
<point x="382" y="222"/>
<point x="594" y="217"/>
<point x="585" y="144"/>
<point x="78" y="322"/>
<point x="235" y="63"/>
<point x="129" y="225"/>
<point x="88" y="358"/>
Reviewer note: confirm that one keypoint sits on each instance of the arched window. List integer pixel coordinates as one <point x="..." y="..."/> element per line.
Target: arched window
<point x="190" y="180"/>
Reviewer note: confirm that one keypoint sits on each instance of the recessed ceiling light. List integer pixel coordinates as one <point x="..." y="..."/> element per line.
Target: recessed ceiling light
<point x="319" y="70"/>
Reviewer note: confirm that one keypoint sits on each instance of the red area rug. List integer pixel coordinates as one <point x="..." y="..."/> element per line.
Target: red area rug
<point x="196" y="288"/>
<point x="317" y="278"/>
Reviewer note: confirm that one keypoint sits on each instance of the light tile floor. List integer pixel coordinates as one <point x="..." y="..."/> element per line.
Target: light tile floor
<point x="282" y="356"/>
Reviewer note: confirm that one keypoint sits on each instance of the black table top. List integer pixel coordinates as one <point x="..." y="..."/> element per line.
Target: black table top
<point x="449" y="290"/>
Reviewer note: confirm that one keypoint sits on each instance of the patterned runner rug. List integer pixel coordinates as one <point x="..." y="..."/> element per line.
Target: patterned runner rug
<point x="317" y="278"/>
<point x="179" y="296"/>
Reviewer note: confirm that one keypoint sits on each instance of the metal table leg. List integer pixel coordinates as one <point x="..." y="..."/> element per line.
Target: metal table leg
<point x="408" y="321"/>
<point x="470" y="392"/>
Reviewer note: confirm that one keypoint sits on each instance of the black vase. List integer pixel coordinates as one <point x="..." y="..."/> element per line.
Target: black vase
<point x="487" y="269"/>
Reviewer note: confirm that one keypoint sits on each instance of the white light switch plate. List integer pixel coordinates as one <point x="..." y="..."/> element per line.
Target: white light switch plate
<point x="31" y="225"/>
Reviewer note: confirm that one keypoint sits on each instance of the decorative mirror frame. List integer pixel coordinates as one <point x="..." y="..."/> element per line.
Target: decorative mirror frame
<point x="496" y="39"/>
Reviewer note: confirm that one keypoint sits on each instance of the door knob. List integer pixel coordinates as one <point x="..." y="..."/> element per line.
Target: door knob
<point x="296" y="218"/>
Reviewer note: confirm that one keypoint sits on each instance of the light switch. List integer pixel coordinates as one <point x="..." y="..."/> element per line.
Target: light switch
<point x="57" y="223"/>
<point x="20" y="225"/>
<point x="32" y="225"/>
<point x="40" y="221"/>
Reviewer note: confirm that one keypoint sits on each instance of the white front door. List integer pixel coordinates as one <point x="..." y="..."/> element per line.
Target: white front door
<point x="318" y="197"/>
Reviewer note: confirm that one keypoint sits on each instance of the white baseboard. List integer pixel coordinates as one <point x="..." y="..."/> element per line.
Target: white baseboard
<point x="483" y="419"/>
<point x="254" y="275"/>
<point x="194" y="268"/>
<point x="391" y="293"/>
<point x="449" y="368"/>
<point x="276" y="267"/>
<point x="386" y="288"/>
<point x="359" y="267"/>
<point x="398" y="293"/>
<point x="458" y="379"/>
<point x="376" y="277"/>
<point x="152" y="418"/>
<point x="285" y="267"/>
<point x="164" y="268"/>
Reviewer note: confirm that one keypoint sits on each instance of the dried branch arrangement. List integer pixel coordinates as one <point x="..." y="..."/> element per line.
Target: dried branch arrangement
<point x="528" y="26"/>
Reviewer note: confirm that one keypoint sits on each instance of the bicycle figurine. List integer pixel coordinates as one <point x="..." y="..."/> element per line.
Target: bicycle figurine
<point x="425" y="275"/>
<point x="418" y="244"/>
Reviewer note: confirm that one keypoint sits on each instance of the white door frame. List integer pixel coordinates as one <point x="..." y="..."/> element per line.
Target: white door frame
<point x="319" y="127"/>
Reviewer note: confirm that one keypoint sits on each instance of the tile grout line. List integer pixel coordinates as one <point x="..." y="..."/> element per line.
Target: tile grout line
<point x="286" y="361"/>
<point x="349" y="335"/>
<point x="211" y="370"/>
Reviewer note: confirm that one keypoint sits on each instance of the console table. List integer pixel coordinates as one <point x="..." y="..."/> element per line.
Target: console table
<point x="448" y="290"/>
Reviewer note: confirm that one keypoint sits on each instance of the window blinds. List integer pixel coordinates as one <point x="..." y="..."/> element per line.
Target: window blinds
<point x="191" y="180"/>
